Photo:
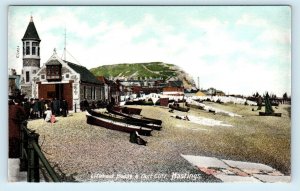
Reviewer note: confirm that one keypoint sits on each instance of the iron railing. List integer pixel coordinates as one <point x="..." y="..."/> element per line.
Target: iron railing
<point x="31" y="156"/>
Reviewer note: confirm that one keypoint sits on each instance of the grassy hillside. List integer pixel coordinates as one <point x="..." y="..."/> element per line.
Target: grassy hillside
<point x="142" y="70"/>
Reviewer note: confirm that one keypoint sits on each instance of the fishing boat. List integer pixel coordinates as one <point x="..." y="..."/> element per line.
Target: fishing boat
<point x="122" y="119"/>
<point x="128" y="110"/>
<point x="139" y="102"/>
<point x="135" y="118"/>
<point x="116" y="125"/>
<point x="194" y="106"/>
<point x="177" y="107"/>
<point x="270" y="114"/>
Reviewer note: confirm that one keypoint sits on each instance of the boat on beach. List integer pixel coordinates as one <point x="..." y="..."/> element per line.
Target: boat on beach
<point x="117" y="125"/>
<point x="133" y="117"/>
<point x="177" y="107"/>
<point x="128" y="110"/>
<point x="122" y="119"/>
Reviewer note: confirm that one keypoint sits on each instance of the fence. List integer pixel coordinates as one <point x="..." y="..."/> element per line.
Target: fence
<point x="31" y="156"/>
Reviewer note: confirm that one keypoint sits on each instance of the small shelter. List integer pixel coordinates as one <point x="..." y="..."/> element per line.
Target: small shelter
<point x="199" y="93"/>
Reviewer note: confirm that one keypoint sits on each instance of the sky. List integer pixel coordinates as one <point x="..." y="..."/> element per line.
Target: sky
<point x="236" y="49"/>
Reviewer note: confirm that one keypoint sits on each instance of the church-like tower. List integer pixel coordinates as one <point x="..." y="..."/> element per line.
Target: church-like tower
<point x="31" y="57"/>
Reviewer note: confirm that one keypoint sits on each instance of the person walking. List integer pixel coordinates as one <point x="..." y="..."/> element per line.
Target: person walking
<point x="64" y="108"/>
<point x="15" y="119"/>
<point x="35" y="108"/>
<point x="56" y="107"/>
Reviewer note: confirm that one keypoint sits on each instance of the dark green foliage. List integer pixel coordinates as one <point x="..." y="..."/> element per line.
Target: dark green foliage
<point x="137" y="70"/>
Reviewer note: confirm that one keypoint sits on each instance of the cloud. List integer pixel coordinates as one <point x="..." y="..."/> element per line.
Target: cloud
<point x="276" y="36"/>
<point x="217" y="49"/>
<point x="252" y="21"/>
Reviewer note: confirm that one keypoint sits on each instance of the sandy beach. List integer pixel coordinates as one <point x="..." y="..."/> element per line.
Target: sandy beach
<point x="88" y="153"/>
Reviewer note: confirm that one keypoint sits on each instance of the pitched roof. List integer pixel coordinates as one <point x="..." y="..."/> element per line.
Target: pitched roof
<point x="31" y="33"/>
<point x="176" y="83"/>
<point x="53" y="62"/>
<point x="85" y="74"/>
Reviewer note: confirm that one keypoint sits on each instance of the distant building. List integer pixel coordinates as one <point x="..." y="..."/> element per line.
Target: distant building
<point x="173" y="91"/>
<point x="114" y="91"/>
<point x="214" y="92"/>
<point x="220" y="93"/>
<point x="175" y="83"/>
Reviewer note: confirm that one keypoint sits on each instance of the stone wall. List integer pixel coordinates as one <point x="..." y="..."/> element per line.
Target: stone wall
<point x="27" y="90"/>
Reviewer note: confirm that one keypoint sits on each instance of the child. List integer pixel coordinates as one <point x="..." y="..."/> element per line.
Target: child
<point x="48" y="113"/>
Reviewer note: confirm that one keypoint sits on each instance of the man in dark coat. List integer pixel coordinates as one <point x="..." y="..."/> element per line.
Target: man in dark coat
<point x="35" y="108"/>
<point x="26" y="106"/>
<point x="16" y="117"/>
<point x="64" y="107"/>
<point x="56" y="107"/>
<point x="86" y="105"/>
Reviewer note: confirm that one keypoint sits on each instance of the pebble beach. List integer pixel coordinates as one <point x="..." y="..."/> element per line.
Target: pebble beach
<point x="88" y="153"/>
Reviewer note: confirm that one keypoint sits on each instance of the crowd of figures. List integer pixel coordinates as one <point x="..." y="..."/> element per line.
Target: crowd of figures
<point x="21" y="110"/>
<point x="37" y="108"/>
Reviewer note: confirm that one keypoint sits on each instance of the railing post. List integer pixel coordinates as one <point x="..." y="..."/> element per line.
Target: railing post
<point x="33" y="174"/>
<point x="24" y="148"/>
<point x="75" y="107"/>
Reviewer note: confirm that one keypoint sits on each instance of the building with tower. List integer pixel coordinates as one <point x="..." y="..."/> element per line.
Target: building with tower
<point x="57" y="78"/>
<point x="31" y="57"/>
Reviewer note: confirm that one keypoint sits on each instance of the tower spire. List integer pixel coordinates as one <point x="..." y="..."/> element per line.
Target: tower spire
<point x="31" y="18"/>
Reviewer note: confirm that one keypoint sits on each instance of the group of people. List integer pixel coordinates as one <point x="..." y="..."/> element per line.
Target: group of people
<point x="24" y="109"/>
<point x="40" y="108"/>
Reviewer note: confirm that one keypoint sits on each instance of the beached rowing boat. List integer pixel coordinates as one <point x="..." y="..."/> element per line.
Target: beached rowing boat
<point x="135" y="118"/>
<point x="176" y="107"/>
<point x="115" y="125"/>
<point x="122" y="119"/>
<point x="128" y="110"/>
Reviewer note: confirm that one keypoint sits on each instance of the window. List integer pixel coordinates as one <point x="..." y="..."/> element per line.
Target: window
<point x="53" y="72"/>
<point x="34" y="48"/>
<point x="91" y="92"/>
<point x="27" y="76"/>
<point x="38" y="51"/>
<point x="23" y="48"/>
<point x="42" y="76"/>
<point x="27" y="48"/>
<point x="67" y="75"/>
<point x="94" y="93"/>
<point x="84" y="92"/>
<point x="34" y="71"/>
<point x="22" y="71"/>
